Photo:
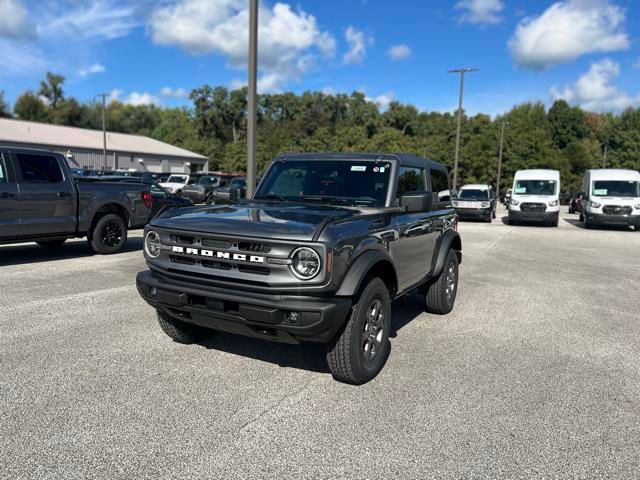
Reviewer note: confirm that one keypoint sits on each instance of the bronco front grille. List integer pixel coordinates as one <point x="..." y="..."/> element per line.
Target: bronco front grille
<point x="533" y="207"/>
<point x="616" y="210"/>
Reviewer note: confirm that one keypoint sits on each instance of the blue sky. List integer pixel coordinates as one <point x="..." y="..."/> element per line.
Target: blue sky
<point x="586" y="51"/>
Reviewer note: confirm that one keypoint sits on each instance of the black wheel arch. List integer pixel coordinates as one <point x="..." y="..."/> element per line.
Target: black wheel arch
<point x="449" y="240"/>
<point x="371" y="263"/>
<point x="106" y="209"/>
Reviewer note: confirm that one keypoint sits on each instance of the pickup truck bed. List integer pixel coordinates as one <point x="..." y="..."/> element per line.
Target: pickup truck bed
<point x="41" y="201"/>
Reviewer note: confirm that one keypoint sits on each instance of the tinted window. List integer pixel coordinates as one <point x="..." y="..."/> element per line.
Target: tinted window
<point x="209" y="181"/>
<point x="177" y="179"/>
<point x="411" y="179"/>
<point x="157" y="192"/>
<point x="3" y="171"/>
<point x="439" y="182"/>
<point x="535" y="187"/>
<point x="38" y="168"/>
<point x="471" y="193"/>
<point x="615" y="188"/>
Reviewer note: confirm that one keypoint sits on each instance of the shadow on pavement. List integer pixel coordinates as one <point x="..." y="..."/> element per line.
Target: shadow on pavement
<point x="575" y="222"/>
<point x="306" y="356"/>
<point x="32" y="253"/>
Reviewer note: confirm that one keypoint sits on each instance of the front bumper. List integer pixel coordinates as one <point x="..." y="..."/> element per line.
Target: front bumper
<point x="542" y="217"/>
<point x="620" y="220"/>
<point x="473" y="213"/>
<point x="254" y="315"/>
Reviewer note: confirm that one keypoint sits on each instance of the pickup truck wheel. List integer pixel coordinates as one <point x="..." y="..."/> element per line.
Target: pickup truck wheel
<point x="51" y="243"/>
<point x="359" y="352"/>
<point x="441" y="292"/>
<point x="109" y="235"/>
<point x="182" y="332"/>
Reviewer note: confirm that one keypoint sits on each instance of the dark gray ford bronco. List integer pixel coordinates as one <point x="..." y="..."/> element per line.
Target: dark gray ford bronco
<point x="317" y="255"/>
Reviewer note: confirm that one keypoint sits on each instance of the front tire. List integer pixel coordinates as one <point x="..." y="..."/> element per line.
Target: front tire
<point x="51" y="243"/>
<point x="359" y="352"/>
<point x="182" y="332"/>
<point x="441" y="292"/>
<point x="109" y="234"/>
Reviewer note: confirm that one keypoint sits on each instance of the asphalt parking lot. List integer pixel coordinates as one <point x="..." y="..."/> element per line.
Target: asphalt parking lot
<point x="535" y="374"/>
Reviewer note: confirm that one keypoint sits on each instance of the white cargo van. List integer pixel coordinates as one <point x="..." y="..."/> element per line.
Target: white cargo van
<point x="535" y="197"/>
<point x="611" y="197"/>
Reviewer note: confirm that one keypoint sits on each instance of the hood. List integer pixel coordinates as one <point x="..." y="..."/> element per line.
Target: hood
<point x="623" y="201"/>
<point x="286" y="221"/>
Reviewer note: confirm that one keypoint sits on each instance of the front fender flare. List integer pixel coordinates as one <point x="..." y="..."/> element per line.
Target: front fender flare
<point x="450" y="239"/>
<point x="361" y="265"/>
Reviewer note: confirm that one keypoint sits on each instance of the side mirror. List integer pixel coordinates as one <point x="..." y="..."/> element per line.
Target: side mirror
<point x="416" y="201"/>
<point x="234" y="194"/>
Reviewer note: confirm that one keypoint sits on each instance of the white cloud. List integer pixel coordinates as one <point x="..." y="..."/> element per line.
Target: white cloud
<point x="480" y="12"/>
<point x="593" y="91"/>
<point x="20" y="58"/>
<point x="383" y="100"/>
<point x="115" y="95"/>
<point x="567" y="30"/>
<point x="174" y="92"/>
<point x="399" y="52"/>
<point x="289" y="41"/>
<point x="358" y="44"/>
<point x="101" y="19"/>
<point x="329" y="90"/>
<point x="92" y="69"/>
<point x="15" y="21"/>
<point x="134" y="98"/>
<point x="636" y="64"/>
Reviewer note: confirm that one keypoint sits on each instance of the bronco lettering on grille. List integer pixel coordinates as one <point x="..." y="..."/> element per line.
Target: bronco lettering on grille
<point x="238" y="257"/>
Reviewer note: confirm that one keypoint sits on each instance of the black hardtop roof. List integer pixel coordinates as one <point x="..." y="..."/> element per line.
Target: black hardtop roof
<point x="405" y="159"/>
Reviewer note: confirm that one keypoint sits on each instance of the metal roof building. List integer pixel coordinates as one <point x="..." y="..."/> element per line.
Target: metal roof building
<point x="83" y="148"/>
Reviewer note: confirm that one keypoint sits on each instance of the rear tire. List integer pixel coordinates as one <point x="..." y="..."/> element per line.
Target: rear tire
<point x="440" y="295"/>
<point x="109" y="234"/>
<point x="51" y="243"/>
<point x="358" y="353"/>
<point x="182" y="332"/>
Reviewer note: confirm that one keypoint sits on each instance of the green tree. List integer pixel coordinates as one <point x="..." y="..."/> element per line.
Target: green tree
<point x="4" y="107"/>
<point x="28" y="106"/>
<point x="51" y="88"/>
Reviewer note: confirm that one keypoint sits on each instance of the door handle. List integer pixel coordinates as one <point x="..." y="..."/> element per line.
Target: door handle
<point x="64" y="194"/>
<point x="7" y="195"/>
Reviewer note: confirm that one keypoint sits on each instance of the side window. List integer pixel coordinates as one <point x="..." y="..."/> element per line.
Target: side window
<point x="440" y="186"/>
<point x="157" y="192"/>
<point x="38" y="168"/>
<point x="410" y="179"/>
<point x="3" y="171"/>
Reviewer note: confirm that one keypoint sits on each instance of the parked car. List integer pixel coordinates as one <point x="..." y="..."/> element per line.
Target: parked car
<point x="202" y="189"/>
<point x="476" y="202"/>
<point x="507" y="198"/>
<point x="176" y="182"/>
<point x="161" y="198"/>
<point x="317" y="255"/>
<point x="575" y="203"/>
<point x="611" y="197"/>
<point x="234" y="191"/>
<point x="40" y="201"/>
<point x="535" y="197"/>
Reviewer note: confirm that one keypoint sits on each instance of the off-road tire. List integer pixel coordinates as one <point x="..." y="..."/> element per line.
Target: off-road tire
<point x="51" y="243"/>
<point x="102" y="239"/>
<point x="346" y="354"/>
<point x="438" y="298"/>
<point x="182" y="332"/>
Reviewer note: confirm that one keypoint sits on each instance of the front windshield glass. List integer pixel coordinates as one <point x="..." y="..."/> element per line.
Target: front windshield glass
<point x="177" y="179"/>
<point x="473" y="194"/>
<point x="615" y="188"/>
<point x="213" y="181"/>
<point x="535" y="187"/>
<point x="343" y="182"/>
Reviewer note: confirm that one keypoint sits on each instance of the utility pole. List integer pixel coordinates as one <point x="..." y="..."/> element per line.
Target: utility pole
<point x="504" y="122"/>
<point x="604" y="157"/>
<point x="104" y="128"/>
<point x="461" y="71"/>
<point x="252" y="98"/>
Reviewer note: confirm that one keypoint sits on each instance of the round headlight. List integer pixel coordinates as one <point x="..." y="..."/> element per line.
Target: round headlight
<point x="305" y="263"/>
<point x="152" y="244"/>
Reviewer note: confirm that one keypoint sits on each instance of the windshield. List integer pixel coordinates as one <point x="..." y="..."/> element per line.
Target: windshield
<point x="177" y="179"/>
<point x="209" y="181"/>
<point x="615" y="188"/>
<point x="535" y="187"/>
<point x="472" y="194"/>
<point x="342" y="182"/>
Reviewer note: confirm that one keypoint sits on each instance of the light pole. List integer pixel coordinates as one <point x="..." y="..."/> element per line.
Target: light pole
<point x="461" y="71"/>
<point x="604" y="157"/>
<point x="504" y="123"/>
<point x="251" y="97"/>
<point x="104" y="128"/>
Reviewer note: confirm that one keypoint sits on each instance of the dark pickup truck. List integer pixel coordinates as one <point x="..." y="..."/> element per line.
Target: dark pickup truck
<point x="40" y="201"/>
<point x="317" y="255"/>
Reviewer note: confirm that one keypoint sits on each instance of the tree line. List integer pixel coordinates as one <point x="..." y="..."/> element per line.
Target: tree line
<point x="563" y="137"/>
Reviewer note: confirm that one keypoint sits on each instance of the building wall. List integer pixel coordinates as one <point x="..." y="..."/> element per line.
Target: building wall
<point x="81" y="158"/>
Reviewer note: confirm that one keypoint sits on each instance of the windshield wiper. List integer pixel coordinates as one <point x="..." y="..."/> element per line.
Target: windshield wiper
<point x="271" y="196"/>
<point x="325" y="199"/>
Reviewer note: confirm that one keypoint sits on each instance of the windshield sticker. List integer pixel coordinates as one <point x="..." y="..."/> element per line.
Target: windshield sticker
<point x="600" y="191"/>
<point x="358" y="168"/>
<point x="521" y="190"/>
